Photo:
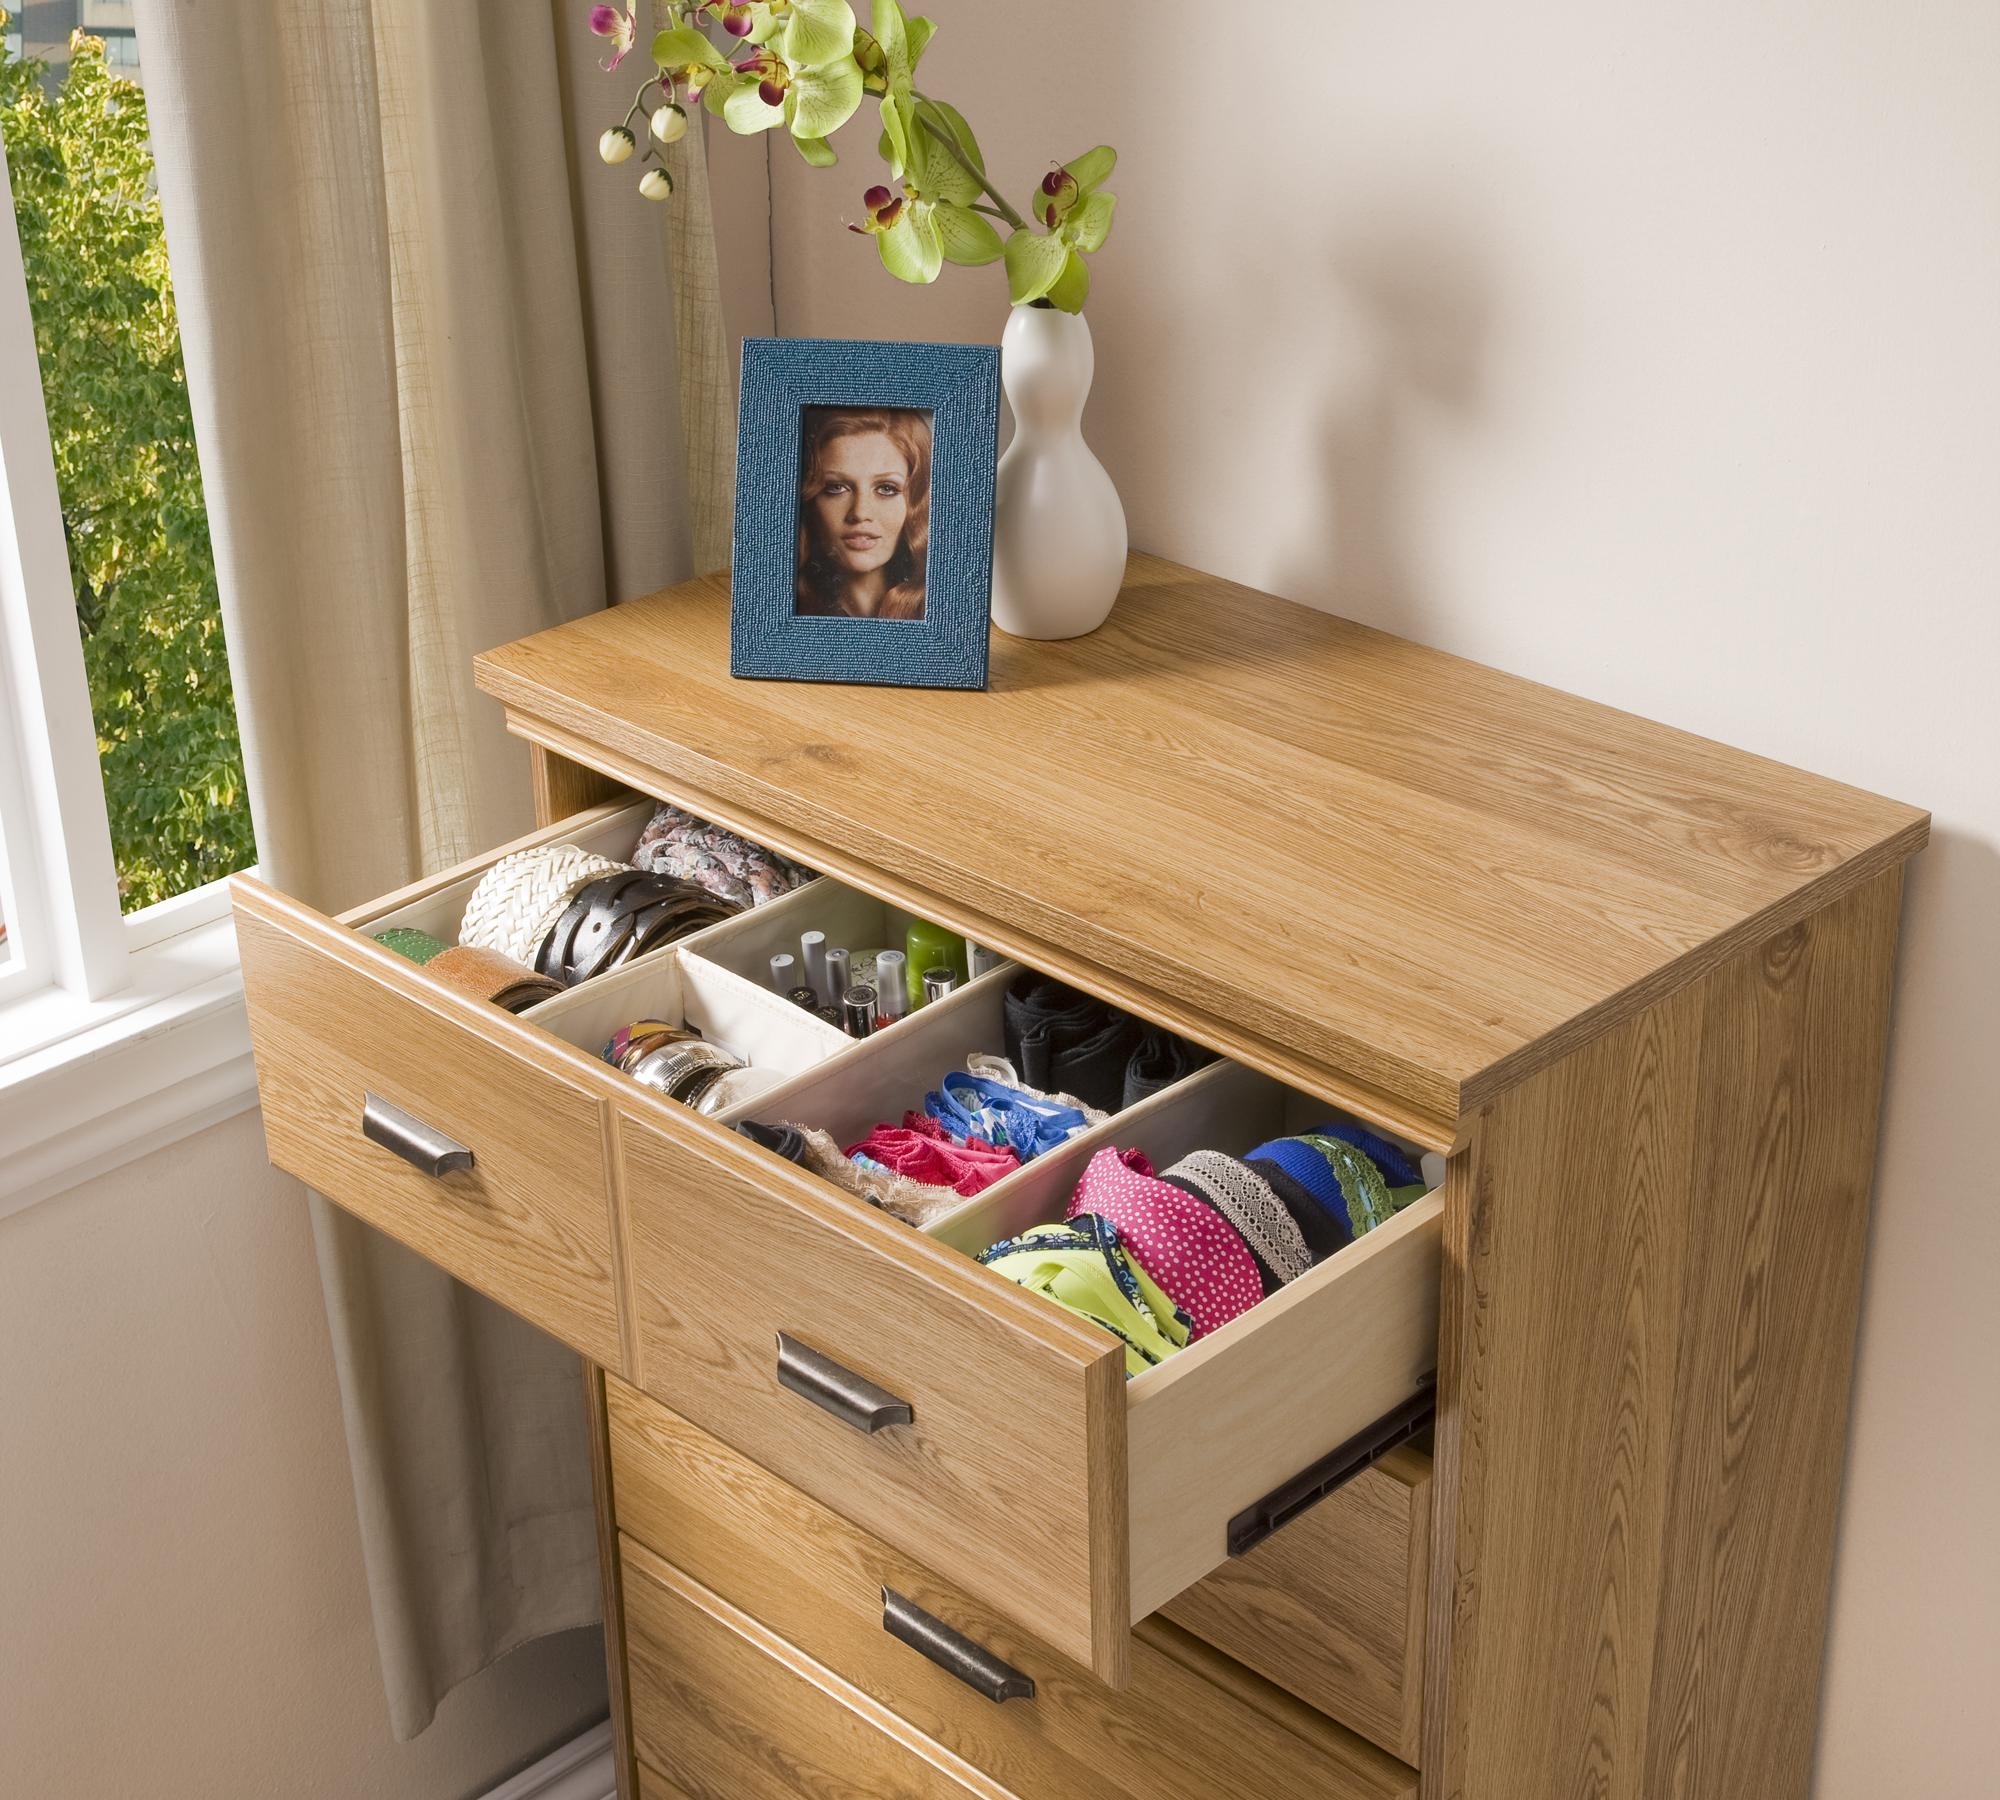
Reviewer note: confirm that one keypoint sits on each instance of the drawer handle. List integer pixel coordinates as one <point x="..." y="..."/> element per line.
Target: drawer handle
<point x="839" y="1391"/>
<point x="421" y="1146"/>
<point x="953" y="1652"/>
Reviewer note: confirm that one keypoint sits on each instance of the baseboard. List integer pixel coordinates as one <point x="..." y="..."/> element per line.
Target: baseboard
<point x="581" y="1769"/>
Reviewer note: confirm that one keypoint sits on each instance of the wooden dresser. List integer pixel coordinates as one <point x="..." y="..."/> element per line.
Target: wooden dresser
<point x="1530" y="1492"/>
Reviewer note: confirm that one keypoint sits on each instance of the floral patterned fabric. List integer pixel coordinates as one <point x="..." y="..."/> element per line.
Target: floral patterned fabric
<point x="746" y="874"/>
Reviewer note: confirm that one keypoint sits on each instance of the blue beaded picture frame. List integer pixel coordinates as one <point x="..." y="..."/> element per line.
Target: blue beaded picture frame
<point x="770" y="638"/>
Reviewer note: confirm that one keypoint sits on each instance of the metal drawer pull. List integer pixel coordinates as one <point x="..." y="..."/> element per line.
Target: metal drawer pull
<point x="839" y="1391"/>
<point x="421" y="1146"/>
<point x="953" y="1652"/>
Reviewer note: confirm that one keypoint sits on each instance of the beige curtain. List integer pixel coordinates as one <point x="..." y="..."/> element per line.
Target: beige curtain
<point x="453" y="381"/>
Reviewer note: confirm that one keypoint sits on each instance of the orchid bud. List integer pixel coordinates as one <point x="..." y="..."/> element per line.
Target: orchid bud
<point x="656" y="184"/>
<point x="670" y="123"/>
<point x="616" y="145"/>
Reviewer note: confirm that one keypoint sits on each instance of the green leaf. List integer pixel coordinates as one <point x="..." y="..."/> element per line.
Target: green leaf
<point x="1089" y="224"/>
<point x="816" y="151"/>
<point x="892" y="34"/>
<point x="1072" y="286"/>
<point x="966" y="237"/>
<point x="910" y="249"/>
<point x="823" y="100"/>
<point x="676" y="49"/>
<point x="745" y="112"/>
<point x="1034" y="265"/>
<point x="1093" y="166"/>
<point x="821" y="32"/>
<point x="895" y="145"/>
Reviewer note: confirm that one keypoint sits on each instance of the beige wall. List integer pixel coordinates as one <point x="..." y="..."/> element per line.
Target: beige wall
<point x="182" y="1608"/>
<point x="1651" y="352"/>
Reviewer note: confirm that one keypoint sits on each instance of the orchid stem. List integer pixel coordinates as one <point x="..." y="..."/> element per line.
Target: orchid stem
<point x="965" y="162"/>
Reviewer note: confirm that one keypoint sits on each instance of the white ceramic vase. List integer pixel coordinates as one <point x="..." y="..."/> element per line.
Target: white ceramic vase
<point x="1058" y="527"/>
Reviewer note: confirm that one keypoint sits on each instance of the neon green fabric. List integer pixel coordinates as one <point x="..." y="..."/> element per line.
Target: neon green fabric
<point x="1082" y="1266"/>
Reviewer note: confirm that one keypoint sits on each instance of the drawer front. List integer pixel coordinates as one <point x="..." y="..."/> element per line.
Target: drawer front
<point x="1007" y="1452"/>
<point x="1008" y="1472"/>
<point x="1189" y="1722"/>
<point x="336" y="1019"/>
<point x="722" y="1711"/>
<point x="1332" y="1606"/>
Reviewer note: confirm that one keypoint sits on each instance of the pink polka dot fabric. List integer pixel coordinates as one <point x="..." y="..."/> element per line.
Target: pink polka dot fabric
<point x="1189" y="1249"/>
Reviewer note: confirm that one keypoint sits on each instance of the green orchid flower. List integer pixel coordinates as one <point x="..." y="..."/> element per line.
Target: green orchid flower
<point x="902" y="41"/>
<point x="801" y="75"/>
<point x="1077" y="218"/>
<point x="806" y="65"/>
<point x="916" y="236"/>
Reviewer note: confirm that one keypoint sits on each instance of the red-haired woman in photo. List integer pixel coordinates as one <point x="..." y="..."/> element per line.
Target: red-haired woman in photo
<point x="864" y="512"/>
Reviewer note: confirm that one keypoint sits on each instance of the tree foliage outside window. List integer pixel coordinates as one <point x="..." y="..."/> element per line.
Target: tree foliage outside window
<point x="140" y="562"/>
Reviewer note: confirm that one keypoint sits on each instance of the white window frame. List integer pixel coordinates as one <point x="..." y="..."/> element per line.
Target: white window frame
<point x="117" y="1034"/>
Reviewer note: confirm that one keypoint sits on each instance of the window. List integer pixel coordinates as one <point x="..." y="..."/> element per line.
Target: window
<point x="135" y="524"/>
<point x="121" y="788"/>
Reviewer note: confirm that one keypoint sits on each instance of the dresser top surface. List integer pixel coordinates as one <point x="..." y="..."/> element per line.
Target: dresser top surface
<point x="1417" y="870"/>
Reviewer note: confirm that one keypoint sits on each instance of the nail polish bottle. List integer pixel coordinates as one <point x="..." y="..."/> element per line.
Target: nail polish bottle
<point x="892" y="997"/>
<point x="784" y="972"/>
<point x="928" y="946"/>
<point x="857" y="1010"/>
<point x="837" y="978"/>
<point x="812" y="962"/>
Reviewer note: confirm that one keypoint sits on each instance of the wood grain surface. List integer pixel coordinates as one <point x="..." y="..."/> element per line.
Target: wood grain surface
<point x="725" y="1710"/>
<point x="816" y="1580"/>
<point x="1220" y="1424"/>
<point x="334" y="1017"/>
<point x="611" y="1587"/>
<point x="1653" y="1262"/>
<point x="1318" y="845"/>
<point x="1333" y="1606"/>
<point x="1011" y="1478"/>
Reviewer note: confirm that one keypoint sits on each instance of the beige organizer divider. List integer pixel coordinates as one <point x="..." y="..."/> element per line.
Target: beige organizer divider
<point x="1222" y="1107"/>
<point x="440" y="912"/>
<point x="875" y="1080"/>
<point x="853" y="921"/>
<point x="770" y="1034"/>
<point x="878" y="1080"/>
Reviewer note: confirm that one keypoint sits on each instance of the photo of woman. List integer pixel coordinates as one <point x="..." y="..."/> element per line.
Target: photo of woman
<point x="864" y="512"/>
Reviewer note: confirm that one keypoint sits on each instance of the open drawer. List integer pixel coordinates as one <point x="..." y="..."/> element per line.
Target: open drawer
<point x="478" y="1138"/>
<point x="979" y="1428"/>
<point x="878" y="1368"/>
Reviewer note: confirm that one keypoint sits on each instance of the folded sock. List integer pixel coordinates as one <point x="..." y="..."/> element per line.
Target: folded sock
<point x="1061" y="1038"/>
<point x="1159" y="1060"/>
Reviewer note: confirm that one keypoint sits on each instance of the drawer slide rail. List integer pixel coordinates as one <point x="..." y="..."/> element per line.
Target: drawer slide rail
<point x="1314" y="1483"/>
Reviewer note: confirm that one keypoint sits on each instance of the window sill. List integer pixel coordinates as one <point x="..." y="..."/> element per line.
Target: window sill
<point x="86" y="1086"/>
